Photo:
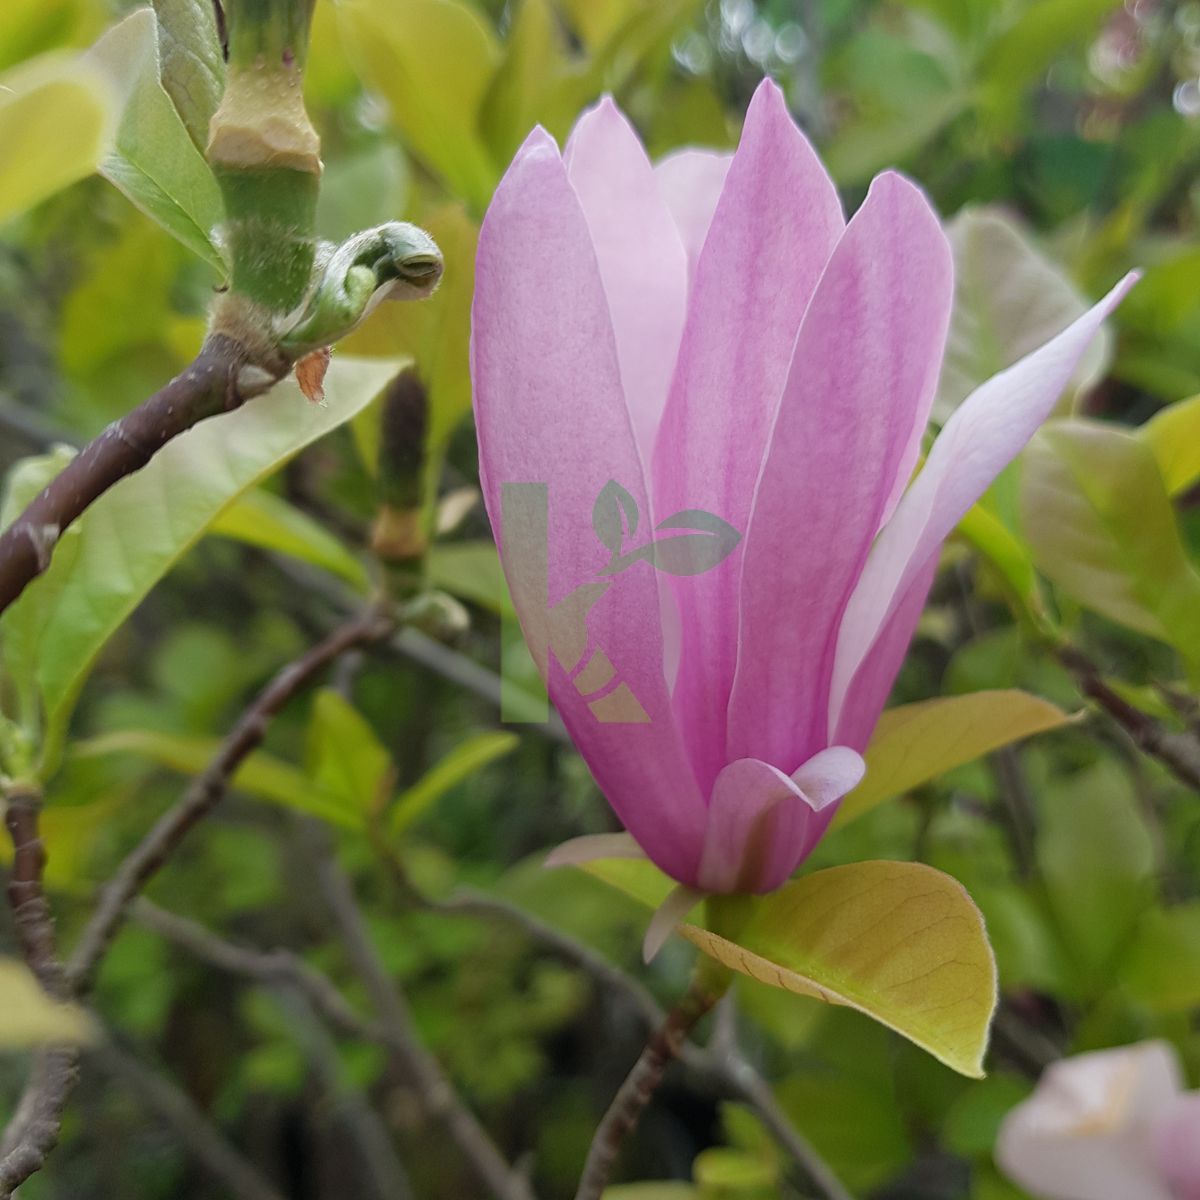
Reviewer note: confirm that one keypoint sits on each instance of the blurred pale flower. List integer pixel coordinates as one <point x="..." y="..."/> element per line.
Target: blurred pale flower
<point x="708" y="347"/>
<point x="1109" y="1125"/>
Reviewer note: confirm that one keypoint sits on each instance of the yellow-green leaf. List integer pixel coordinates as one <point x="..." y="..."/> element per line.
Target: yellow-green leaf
<point x="1174" y="436"/>
<point x="31" y="1017"/>
<point x="345" y="757"/>
<point x="914" y="743"/>
<point x="261" y="775"/>
<point x="899" y="941"/>
<point x="57" y="116"/>
<point x="105" y="565"/>
<point x="996" y="542"/>
<point x="261" y="518"/>
<point x="462" y="762"/>
<point x="431" y="60"/>
<point x="1100" y="524"/>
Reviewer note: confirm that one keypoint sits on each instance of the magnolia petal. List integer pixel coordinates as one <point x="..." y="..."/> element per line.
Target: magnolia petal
<point x="691" y="182"/>
<point x="863" y="375"/>
<point x="642" y="260"/>
<point x="980" y="439"/>
<point x="872" y="683"/>
<point x="771" y="235"/>
<point x="829" y="775"/>
<point x="758" y="819"/>
<point x="1084" y="1133"/>
<point x="666" y="919"/>
<point x="550" y="412"/>
<point x="1175" y="1145"/>
<point x="592" y="847"/>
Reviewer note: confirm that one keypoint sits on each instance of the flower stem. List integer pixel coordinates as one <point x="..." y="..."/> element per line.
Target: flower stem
<point x="265" y="154"/>
<point x="709" y="983"/>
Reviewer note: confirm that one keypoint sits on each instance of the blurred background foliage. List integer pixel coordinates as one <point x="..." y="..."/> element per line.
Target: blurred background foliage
<point x="1060" y="139"/>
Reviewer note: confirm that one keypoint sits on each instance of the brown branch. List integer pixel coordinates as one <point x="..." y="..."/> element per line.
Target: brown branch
<point x="213" y="384"/>
<point x="272" y="968"/>
<point x="721" y="1070"/>
<point x="435" y="1090"/>
<point x="664" y="1045"/>
<point x="1178" y="752"/>
<point x="34" y="1128"/>
<point x="205" y="791"/>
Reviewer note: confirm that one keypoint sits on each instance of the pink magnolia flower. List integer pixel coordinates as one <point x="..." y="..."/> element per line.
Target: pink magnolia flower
<point x="706" y="348"/>
<point x="1108" y="1125"/>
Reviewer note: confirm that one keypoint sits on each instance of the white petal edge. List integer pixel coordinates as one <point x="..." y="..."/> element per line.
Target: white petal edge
<point x="666" y="919"/>
<point x="592" y="847"/>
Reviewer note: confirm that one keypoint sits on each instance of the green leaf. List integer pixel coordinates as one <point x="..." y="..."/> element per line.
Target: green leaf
<point x="155" y="162"/>
<point x="345" y="758"/>
<point x="898" y="941"/>
<point x="1100" y="524"/>
<point x="534" y="58"/>
<point x="31" y="1017"/>
<point x="1009" y="298"/>
<point x="139" y="529"/>
<point x="915" y="743"/>
<point x="57" y="117"/>
<point x="1027" y="48"/>
<point x="470" y="571"/>
<point x="431" y="60"/>
<point x="261" y="775"/>
<point x="1010" y="557"/>
<point x="1097" y="861"/>
<point x="261" y="518"/>
<point x="461" y="763"/>
<point x="1174" y="437"/>
<point x="192" y="65"/>
<point x="1162" y="968"/>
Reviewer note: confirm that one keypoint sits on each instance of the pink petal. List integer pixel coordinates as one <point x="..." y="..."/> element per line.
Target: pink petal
<point x="863" y="376"/>
<point x="773" y="231"/>
<point x="829" y="775"/>
<point x="1084" y="1133"/>
<point x="550" y="410"/>
<point x="985" y="433"/>
<point x="873" y="681"/>
<point x="1176" y="1147"/>
<point x="758" y="818"/>
<point x="691" y="182"/>
<point x="642" y="261"/>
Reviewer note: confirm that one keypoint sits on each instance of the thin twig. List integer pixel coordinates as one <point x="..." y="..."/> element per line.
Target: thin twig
<point x="631" y="1099"/>
<point x="722" y="1070"/>
<point x="206" y="1144"/>
<point x="34" y="1128"/>
<point x="272" y="968"/>
<point x="362" y="1125"/>
<point x="208" y="387"/>
<point x="1179" y="752"/>
<point x="437" y="1094"/>
<point x="247" y="734"/>
<point x="33" y="1131"/>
